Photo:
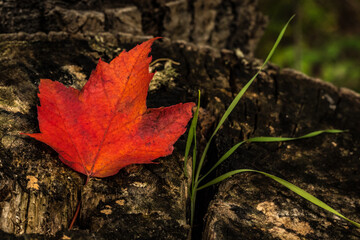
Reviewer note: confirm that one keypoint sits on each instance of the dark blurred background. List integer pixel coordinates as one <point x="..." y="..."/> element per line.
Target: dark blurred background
<point x="322" y="41"/>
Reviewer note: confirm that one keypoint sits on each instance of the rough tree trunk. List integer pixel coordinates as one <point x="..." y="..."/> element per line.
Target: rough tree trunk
<point x="63" y="40"/>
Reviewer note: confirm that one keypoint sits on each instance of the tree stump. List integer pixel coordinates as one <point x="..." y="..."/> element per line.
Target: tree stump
<point x="39" y="194"/>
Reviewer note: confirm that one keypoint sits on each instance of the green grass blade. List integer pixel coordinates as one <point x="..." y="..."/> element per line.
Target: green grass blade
<point x="285" y="183"/>
<point x="193" y="183"/>
<point x="194" y="160"/>
<point x="223" y="158"/>
<point x="277" y="41"/>
<point x="222" y="178"/>
<point x="191" y="134"/>
<point x="266" y="139"/>
<point x="188" y="146"/>
<point x="308" y="196"/>
<point x="238" y="97"/>
<point x="284" y="139"/>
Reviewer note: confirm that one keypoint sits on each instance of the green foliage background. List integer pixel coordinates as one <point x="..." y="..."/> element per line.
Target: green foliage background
<point x="323" y="41"/>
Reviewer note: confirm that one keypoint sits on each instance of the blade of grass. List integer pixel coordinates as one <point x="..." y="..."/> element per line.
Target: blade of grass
<point x="285" y="139"/>
<point x="194" y="159"/>
<point x="237" y="99"/>
<point x="191" y="134"/>
<point x="285" y="183"/>
<point x="188" y="145"/>
<point x="193" y="190"/>
<point x="223" y="158"/>
<point x="266" y="139"/>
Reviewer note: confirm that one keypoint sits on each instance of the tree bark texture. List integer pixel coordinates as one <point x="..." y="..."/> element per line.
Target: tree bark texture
<point x="63" y="41"/>
<point x="219" y="23"/>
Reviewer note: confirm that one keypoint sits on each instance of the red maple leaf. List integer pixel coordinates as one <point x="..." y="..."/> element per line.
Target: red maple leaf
<point x="107" y="126"/>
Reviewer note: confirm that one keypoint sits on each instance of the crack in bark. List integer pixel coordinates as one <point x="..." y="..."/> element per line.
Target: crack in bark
<point x="27" y="211"/>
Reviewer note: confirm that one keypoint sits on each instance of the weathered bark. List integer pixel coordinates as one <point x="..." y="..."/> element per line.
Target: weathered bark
<point x="287" y="103"/>
<point x="221" y="23"/>
<point x="38" y="194"/>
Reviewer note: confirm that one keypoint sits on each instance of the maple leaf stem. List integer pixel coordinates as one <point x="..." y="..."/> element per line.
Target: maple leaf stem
<point x="78" y="207"/>
<point x="87" y="180"/>
<point x="75" y="215"/>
